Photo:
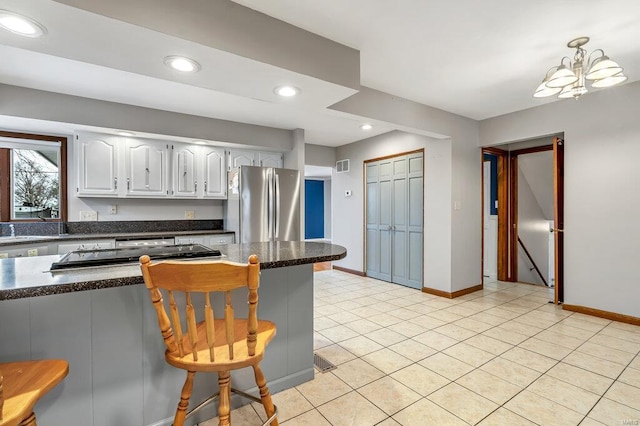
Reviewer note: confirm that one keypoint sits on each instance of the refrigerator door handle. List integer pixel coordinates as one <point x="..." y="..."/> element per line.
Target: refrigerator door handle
<point x="270" y="206"/>
<point x="277" y="210"/>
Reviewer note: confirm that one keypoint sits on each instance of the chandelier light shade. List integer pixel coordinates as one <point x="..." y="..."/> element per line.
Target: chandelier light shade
<point x="571" y="81"/>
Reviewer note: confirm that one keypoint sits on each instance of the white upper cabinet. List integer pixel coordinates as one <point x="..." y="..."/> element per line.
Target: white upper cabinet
<point x="198" y="171"/>
<point x="147" y="167"/>
<point x="185" y="170"/>
<point x="97" y="165"/>
<point x="215" y="173"/>
<point x="239" y="158"/>
<point x="270" y="159"/>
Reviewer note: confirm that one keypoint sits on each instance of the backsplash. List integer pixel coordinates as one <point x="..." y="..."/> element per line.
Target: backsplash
<point x="56" y="228"/>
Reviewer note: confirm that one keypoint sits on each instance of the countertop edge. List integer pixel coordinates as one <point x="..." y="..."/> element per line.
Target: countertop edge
<point x="85" y="285"/>
<point x="123" y="236"/>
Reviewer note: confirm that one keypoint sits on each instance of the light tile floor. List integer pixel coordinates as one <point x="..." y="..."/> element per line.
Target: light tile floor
<point x="500" y="356"/>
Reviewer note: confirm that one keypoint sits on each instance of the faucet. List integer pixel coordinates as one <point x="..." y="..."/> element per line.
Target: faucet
<point x="13" y="229"/>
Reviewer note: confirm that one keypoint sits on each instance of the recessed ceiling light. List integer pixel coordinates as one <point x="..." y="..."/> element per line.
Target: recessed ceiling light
<point x="21" y="25"/>
<point x="366" y="126"/>
<point x="287" y="91"/>
<point x="182" y="64"/>
<point x="125" y="133"/>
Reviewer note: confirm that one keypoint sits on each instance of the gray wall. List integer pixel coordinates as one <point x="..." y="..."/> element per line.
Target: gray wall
<point x="602" y="202"/>
<point x="317" y="155"/>
<point x="37" y="104"/>
<point x="460" y="183"/>
<point x="348" y="225"/>
<point x="327" y="209"/>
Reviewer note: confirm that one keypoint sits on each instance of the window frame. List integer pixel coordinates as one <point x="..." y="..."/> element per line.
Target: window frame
<point x="5" y="176"/>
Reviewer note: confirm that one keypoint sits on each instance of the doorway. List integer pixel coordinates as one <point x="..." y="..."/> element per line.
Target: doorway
<point x="318" y="210"/>
<point x="529" y="245"/>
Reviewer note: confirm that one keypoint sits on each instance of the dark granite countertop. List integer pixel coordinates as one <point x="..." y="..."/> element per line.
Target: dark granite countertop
<point x="33" y="239"/>
<point x="30" y="276"/>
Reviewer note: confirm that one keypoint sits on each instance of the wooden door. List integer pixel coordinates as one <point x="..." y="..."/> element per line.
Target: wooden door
<point x="558" y="184"/>
<point x="502" y="263"/>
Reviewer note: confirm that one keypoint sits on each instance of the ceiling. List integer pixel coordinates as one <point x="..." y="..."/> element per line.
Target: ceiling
<point x="475" y="59"/>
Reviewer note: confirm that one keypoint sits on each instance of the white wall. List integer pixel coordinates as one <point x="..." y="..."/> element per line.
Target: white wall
<point x="602" y="201"/>
<point x="533" y="230"/>
<point x="348" y="223"/>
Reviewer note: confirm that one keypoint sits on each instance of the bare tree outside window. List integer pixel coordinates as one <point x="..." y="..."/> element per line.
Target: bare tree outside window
<point x="35" y="185"/>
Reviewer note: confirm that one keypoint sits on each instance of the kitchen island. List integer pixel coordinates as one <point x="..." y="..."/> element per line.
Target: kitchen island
<point x="101" y="320"/>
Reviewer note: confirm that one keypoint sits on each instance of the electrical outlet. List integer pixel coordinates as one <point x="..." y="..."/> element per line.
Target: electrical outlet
<point x="113" y="208"/>
<point x="88" y="215"/>
<point x="189" y="214"/>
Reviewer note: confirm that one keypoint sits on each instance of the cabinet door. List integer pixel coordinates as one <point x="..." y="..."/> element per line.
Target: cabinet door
<point x="218" y="239"/>
<point x="190" y="239"/>
<point x="97" y="164"/>
<point x="86" y="245"/>
<point x="23" y="251"/>
<point x="215" y="173"/>
<point x="241" y="158"/>
<point x="147" y="168"/>
<point x="185" y="170"/>
<point x="270" y="159"/>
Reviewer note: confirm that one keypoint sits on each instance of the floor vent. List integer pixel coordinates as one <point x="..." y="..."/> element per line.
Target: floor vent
<point x="322" y="364"/>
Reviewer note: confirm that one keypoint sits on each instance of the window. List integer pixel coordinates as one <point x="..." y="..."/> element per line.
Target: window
<point x="32" y="177"/>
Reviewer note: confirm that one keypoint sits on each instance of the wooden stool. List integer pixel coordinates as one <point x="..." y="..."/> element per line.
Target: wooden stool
<point x="213" y="345"/>
<point x="22" y="384"/>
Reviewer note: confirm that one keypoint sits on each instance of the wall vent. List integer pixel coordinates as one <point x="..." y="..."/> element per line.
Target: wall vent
<point x="342" y="166"/>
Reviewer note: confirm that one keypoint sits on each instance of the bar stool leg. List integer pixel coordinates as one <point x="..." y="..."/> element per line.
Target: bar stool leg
<point x="29" y="421"/>
<point x="187" y="390"/>
<point x="264" y="393"/>
<point x="224" y="409"/>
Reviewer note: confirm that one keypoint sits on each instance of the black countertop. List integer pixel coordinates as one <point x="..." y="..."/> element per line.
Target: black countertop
<point x="31" y="239"/>
<point x="30" y="276"/>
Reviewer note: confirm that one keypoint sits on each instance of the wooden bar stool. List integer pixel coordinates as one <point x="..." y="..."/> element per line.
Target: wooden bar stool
<point x="212" y="345"/>
<point x="22" y="384"/>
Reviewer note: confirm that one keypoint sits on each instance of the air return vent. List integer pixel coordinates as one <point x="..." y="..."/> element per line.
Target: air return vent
<point x="342" y="166"/>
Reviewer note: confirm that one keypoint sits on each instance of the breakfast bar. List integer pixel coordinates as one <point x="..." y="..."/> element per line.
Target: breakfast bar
<point x="100" y="320"/>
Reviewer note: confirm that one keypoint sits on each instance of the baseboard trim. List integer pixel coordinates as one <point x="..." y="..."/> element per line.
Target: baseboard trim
<point x="454" y="294"/>
<point x="602" y="314"/>
<point x="349" y="271"/>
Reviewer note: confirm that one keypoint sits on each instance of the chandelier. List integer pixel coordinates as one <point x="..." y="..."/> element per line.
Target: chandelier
<point x="568" y="80"/>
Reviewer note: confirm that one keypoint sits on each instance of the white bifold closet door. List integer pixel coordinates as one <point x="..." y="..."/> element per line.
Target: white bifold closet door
<point x="394" y="218"/>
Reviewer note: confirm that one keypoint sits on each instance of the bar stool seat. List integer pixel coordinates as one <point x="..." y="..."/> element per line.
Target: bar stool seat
<point x="213" y="344"/>
<point x="22" y="384"/>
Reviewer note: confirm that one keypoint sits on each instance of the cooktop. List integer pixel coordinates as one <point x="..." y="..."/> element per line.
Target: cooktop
<point x="83" y="258"/>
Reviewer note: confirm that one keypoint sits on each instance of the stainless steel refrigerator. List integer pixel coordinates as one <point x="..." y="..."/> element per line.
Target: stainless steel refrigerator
<point x="263" y="204"/>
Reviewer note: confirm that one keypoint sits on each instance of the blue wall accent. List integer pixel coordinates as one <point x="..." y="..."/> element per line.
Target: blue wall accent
<point x="313" y="208"/>
<point x="494" y="182"/>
